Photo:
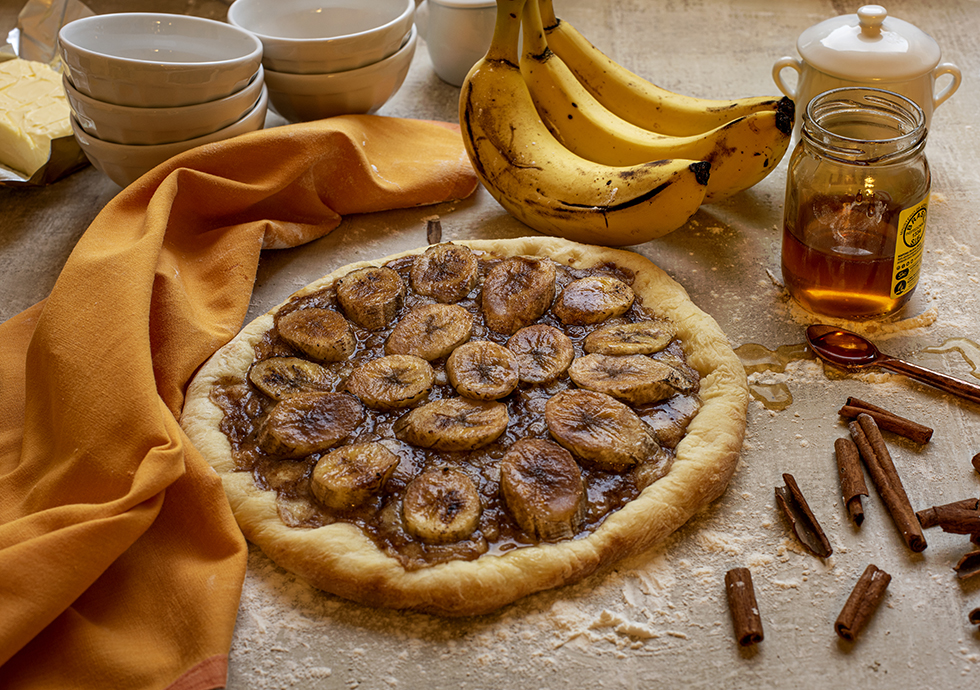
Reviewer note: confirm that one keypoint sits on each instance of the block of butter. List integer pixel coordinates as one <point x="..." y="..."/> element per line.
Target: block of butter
<point x="33" y="111"/>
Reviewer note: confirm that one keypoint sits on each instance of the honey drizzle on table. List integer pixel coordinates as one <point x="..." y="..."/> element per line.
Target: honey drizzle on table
<point x="757" y="358"/>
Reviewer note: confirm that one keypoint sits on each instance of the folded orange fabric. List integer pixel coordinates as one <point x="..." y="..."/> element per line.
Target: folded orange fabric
<point x="121" y="565"/>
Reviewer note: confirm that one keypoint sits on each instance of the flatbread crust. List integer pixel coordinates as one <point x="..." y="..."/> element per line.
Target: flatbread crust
<point x="339" y="558"/>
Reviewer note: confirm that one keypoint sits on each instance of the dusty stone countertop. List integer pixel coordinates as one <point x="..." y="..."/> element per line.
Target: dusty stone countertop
<point x="661" y="619"/>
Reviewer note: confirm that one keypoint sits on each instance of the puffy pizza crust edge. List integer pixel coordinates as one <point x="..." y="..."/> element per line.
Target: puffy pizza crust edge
<point x="340" y="559"/>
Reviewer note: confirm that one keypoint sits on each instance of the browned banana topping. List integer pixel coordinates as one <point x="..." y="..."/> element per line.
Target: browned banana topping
<point x="517" y="292"/>
<point x="445" y="272"/>
<point x="542" y="487"/>
<point x="543" y="353"/>
<point x="371" y="297"/>
<point x="483" y="370"/>
<point x="307" y="423"/>
<point x="592" y="300"/>
<point x="470" y="412"/>
<point x="322" y="334"/>
<point x="430" y="331"/>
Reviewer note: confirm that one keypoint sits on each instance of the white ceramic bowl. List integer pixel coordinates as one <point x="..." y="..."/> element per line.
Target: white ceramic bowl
<point x="304" y="97"/>
<point x="317" y="36"/>
<point x="126" y="163"/>
<point x="124" y="124"/>
<point x="157" y="60"/>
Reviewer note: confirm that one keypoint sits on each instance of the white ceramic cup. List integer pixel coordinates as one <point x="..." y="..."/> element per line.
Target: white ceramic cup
<point x="812" y="82"/>
<point x="457" y="34"/>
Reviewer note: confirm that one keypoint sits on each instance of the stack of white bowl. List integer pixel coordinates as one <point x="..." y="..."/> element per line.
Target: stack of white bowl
<point x="144" y="87"/>
<point x="330" y="57"/>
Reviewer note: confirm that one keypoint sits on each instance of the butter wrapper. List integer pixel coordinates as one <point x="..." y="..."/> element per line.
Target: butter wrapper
<point x="66" y="158"/>
<point x="36" y="39"/>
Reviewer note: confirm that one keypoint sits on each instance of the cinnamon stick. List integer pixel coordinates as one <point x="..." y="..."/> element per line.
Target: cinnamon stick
<point x="878" y="461"/>
<point x="959" y="517"/>
<point x="864" y="599"/>
<point x="974" y="616"/>
<point x="433" y="231"/>
<point x="743" y="606"/>
<point x="801" y="519"/>
<point x="852" y="483"/>
<point x="968" y="566"/>
<point x="887" y="420"/>
<point x="976" y="462"/>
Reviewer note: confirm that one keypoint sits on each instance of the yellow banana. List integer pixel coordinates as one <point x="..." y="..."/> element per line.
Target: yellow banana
<point x="741" y="152"/>
<point x="546" y="186"/>
<point x="637" y="100"/>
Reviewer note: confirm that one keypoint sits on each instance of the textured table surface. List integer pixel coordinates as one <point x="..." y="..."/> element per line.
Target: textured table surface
<point x="661" y="619"/>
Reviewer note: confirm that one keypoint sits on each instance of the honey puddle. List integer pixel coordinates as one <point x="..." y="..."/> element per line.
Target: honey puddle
<point x="777" y="396"/>
<point x="757" y="358"/>
<point x="968" y="349"/>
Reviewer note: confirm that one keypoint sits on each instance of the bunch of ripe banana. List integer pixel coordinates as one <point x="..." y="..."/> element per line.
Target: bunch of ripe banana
<point x="573" y="144"/>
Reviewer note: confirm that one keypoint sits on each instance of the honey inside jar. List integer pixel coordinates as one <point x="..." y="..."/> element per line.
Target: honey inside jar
<point x="856" y="201"/>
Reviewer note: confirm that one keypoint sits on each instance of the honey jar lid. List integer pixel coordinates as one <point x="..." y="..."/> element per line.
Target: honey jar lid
<point x="869" y="45"/>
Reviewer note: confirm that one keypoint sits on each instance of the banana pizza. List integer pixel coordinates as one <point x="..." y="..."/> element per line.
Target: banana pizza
<point x="453" y="428"/>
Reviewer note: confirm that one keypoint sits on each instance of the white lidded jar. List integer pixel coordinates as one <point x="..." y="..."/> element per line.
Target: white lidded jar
<point x="870" y="49"/>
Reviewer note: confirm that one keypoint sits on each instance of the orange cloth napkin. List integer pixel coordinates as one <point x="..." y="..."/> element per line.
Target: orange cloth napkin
<point x="121" y="565"/>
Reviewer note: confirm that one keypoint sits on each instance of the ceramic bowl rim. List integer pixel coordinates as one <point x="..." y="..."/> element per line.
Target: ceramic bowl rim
<point x="68" y="43"/>
<point x="254" y="84"/>
<point x="409" y="9"/>
<point x="324" y="77"/>
<point x="147" y="148"/>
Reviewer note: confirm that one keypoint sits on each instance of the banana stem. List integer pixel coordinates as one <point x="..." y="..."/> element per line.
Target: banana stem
<point x="505" y="44"/>
<point x="546" y="8"/>
<point x="537" y="44"/>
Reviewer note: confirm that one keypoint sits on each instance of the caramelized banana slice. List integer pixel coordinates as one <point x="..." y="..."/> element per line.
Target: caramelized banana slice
<point x="445" y="272"/>
<point x="453" y="424"/>
<point x="640" y="338"/>
<point x="309" y="422"/>
<point x="517" y="292"/>
<point x="542" y="488"/>
<point x="372" y="296"/>
<point x="483" y="370"/>
<point x="543" y="353"/>
<point x="593" y="299"/>
<point x="430" y="331"/>
<point x="279" y="377"/>
<point x="322" y="334"/>
<point x="599" y="429"/>
<point x="441" y="506"/>
<point x="348" y="476"/>
<point x="392" y="382"/>
<point x="634" y="379"/>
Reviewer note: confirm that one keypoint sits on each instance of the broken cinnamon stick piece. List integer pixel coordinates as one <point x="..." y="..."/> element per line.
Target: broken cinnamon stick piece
<point x="959" y="517"/>
<point x="433" y="231"/>
<point x="801" y="519"/>
<point x="968" y="566"/>
<point x="852" y="485"/>
<point x="864" y="599"/>
<point x="890" y="422"/>
<point x="974" y="616"/>
<point x="743" y="606"/>
<point x="878" y="462"/>
<point x="976" y="462"/>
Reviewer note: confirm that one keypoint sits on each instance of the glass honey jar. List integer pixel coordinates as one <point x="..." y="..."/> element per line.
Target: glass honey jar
<point x="857" y="193"/>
